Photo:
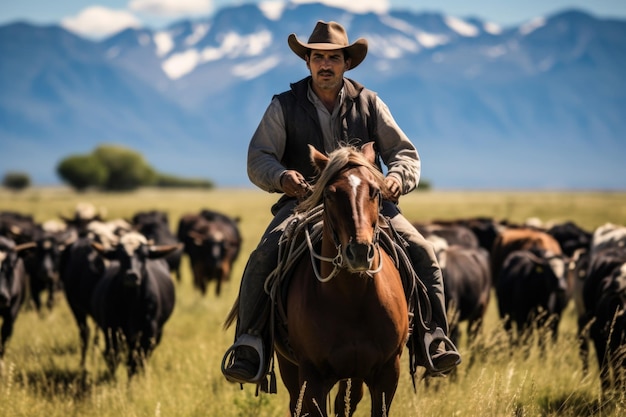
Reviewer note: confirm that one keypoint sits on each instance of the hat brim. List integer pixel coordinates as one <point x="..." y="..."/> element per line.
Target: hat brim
<point x="356" y="51"/>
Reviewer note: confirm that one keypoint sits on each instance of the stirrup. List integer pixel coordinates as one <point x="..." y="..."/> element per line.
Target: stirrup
<point x="436" y="336"/>
<point x="253" y="342"/>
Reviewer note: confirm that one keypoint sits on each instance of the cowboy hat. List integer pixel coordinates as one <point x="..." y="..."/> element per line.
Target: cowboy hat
<point x="329" y="36"/>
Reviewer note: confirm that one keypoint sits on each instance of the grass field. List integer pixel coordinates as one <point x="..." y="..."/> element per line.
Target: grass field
<point x="40" y="374"/>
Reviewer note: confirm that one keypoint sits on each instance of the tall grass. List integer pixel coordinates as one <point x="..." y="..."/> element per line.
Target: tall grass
<point x="40" y="374"/>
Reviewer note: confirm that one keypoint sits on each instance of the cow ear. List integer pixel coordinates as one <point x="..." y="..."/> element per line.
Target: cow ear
<point x="160" y="251"/>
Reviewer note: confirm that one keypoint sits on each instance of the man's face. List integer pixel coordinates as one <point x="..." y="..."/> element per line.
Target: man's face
<point x="327" y="68"/>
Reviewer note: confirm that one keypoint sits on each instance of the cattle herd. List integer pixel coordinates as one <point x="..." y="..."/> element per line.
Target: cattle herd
<point x="534" y="271"/>
<point x="118" y="272"/>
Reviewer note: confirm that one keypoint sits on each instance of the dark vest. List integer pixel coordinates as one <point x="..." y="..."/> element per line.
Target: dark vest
<point x="358" y="123"/>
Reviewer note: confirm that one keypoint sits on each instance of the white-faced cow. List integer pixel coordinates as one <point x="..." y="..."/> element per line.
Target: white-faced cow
<point x="12" y="286"/>
<point x="133" y="300"/>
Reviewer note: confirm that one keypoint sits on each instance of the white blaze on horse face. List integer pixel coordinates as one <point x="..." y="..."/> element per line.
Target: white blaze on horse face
<point x="354" y="182"/>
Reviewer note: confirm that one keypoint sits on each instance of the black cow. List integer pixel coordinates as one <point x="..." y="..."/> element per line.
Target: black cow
<point x="212" y="241"/>
<point x="608" y="331"/>
<point x="486" y="229"/>
<point x="42" y="264"/>
<point x="604" y="299"/>
<point x="84" y="214"/>
<point x="80" y="270"/>
<point x="467" y="286"/>
<point x="532" y="290"/>
<point x="133" y="300"/>
<point x="12" y="286"/>
<point x="18" y="227"/>
<point x="571" y="237"/>
<point x="454" y="234"/>
<point x="515" y="238"/>
<point x="155" y="226"/>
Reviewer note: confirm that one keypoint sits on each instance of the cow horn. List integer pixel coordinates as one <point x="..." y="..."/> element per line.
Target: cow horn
<point x="24" y="246"/>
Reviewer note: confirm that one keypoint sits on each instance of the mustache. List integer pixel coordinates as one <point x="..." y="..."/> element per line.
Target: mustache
<point x="325" y="72"/>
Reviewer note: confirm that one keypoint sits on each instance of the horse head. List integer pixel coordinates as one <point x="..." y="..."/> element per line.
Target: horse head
<point x="351" y="187"/>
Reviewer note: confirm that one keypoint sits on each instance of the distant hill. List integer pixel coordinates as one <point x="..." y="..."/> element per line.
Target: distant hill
<point x="541" y="105"/>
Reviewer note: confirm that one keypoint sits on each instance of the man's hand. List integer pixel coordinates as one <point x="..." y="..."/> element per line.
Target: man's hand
<point x="395" y="189"/>
<point x="294" y="184"/>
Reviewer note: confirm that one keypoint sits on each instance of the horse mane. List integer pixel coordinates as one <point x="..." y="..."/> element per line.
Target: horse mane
<point x="339" y="159"/>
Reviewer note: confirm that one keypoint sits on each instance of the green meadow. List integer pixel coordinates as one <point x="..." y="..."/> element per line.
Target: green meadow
<point x="40" y="374"/>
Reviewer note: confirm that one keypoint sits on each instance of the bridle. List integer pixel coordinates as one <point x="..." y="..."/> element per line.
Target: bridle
<point x="338" y="261"/>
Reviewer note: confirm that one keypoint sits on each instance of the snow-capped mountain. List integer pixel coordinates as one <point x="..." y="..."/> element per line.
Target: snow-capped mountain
<point x="542" y="105"/>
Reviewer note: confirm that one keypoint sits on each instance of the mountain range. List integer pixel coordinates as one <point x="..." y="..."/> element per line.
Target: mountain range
<point x="541" y="105"/>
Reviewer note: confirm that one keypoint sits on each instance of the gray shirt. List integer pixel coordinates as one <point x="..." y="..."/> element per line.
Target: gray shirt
<point x="267" y="146"/>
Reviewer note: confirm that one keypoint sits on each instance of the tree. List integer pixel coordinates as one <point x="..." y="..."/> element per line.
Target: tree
<point x="16" y="181"/>
<point x="82" y="171"/>
<point x="127" y="169"/>
<point x="116" y="168"/>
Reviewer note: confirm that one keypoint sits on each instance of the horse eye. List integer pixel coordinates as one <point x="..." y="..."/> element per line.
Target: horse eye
<point x="330" y="192"/>
<point x="374" y="193"/>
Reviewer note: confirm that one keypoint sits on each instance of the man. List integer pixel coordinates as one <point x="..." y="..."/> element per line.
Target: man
<point x="326" y="110"/>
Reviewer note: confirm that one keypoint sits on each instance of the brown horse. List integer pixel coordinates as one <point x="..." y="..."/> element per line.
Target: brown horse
<point x="347" y="317"/>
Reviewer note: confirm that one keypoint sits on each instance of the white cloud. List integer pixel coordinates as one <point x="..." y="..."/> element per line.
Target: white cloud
<point x="171" y="8"/>
<point x="98" y="21"/>
<point x="272" y="9"/>
<point x="355" y="6"/>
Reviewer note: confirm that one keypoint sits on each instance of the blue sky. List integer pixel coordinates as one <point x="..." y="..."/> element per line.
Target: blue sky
<point x="103" y="17"/>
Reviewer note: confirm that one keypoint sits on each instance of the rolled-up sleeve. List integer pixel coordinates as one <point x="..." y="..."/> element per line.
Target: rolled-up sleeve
<point x="396" y="150"/>
<point x="266" y="149"/>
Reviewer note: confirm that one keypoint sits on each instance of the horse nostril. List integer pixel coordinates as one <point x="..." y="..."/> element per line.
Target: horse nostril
<point x="359" y="255"/>
<point x="371" y="251"/>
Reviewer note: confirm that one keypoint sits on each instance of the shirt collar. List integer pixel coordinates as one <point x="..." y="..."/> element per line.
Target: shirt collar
<point x="313" y="98"/>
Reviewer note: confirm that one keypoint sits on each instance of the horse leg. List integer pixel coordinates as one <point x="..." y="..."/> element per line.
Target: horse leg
<point x="348" y="397"/>
<point x="314" y="390"/>
<point x="383" y="386"/>
<point x="289" y="375"/>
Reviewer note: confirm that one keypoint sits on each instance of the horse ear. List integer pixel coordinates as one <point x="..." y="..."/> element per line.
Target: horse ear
<point x="318" y="159"/>
<point x="369" y="152"/>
